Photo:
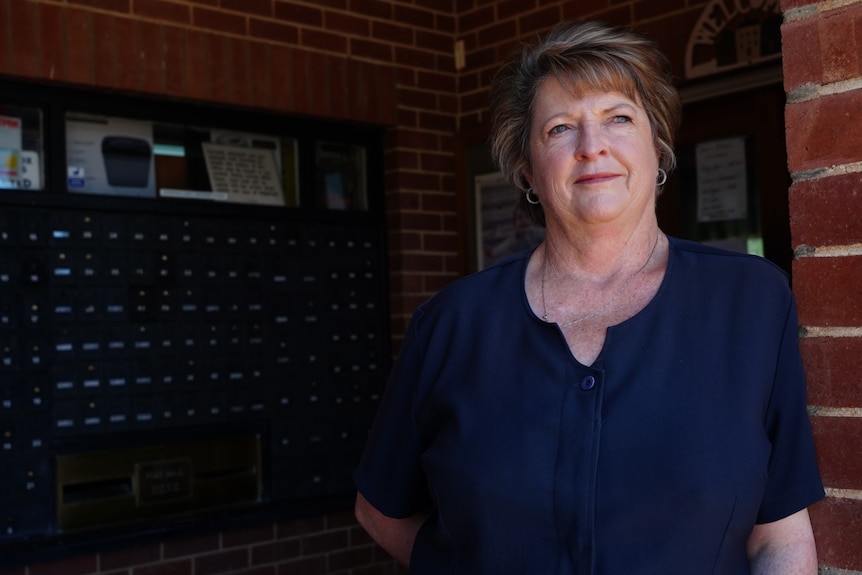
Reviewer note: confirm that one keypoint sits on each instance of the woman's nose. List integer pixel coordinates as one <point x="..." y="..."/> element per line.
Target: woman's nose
<point x="591" y="142"/>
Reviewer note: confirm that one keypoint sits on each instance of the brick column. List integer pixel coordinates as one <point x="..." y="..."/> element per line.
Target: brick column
<point x="823" y="78"/>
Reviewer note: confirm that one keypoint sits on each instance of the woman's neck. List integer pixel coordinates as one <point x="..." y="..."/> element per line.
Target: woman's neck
<point x="598" y="253"/>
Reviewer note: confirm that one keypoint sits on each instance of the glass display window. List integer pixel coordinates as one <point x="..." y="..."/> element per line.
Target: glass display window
<point x="123" y="157"/>
<point x="340" y="176"/>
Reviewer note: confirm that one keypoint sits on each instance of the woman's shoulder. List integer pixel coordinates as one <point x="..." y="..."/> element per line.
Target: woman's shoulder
<point x="495" y="285"/>
<point x="721" y="265"/>
<point x="720" y="282"/>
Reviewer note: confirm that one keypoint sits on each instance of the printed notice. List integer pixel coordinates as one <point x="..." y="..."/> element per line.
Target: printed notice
<point x="244" y="175"/>
<point x="722" y="190"/>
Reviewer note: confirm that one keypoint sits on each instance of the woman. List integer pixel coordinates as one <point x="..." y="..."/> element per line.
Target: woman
<point x="615" y="401"/>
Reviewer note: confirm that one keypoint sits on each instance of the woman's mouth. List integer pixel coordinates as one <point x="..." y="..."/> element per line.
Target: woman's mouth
<point x="598" y="177"/>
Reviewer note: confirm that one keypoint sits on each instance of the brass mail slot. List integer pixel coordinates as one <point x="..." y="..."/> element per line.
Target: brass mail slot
<point x="108" y="487"/>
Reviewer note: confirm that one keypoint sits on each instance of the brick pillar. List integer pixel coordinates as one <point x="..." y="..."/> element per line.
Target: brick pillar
<point x="823" y="78"/>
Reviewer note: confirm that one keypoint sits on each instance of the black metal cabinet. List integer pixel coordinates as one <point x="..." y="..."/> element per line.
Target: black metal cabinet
<point x="166" y="358"/>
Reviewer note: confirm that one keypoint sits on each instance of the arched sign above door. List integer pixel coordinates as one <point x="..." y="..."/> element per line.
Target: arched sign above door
<point x="732" y="34"/>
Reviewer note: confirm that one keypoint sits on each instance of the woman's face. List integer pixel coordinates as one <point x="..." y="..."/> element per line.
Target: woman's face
<point x="593" y="159"/>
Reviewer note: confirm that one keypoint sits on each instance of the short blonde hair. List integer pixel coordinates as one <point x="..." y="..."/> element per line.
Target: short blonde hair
<point x="583" y="56"/>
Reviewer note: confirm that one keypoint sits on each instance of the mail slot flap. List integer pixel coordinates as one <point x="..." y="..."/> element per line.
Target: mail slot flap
<point x="101" y="488"/>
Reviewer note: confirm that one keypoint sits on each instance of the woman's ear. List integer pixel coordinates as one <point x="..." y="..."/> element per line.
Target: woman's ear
<point x="526" y="178"/>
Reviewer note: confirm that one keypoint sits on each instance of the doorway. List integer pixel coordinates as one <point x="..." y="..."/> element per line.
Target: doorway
<point x="745" y="205"/>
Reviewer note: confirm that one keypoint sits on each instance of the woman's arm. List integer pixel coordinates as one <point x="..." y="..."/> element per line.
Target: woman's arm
<point x="395" y="536"/>
<point x="784" y="547"/>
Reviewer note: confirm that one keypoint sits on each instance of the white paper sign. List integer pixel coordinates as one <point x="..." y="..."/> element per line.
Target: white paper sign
<point x="246" y="175"/>
<point x="722" y="190"/>
<point x="248" y="140"/>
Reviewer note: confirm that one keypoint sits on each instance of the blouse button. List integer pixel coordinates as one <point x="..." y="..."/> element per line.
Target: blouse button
<point x="588" y="383"/>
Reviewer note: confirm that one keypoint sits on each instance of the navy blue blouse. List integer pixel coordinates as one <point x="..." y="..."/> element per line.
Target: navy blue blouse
<point x="689" y="428"/>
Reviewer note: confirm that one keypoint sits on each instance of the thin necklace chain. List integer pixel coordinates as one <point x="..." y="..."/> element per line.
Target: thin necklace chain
<point x="607" y="303"/>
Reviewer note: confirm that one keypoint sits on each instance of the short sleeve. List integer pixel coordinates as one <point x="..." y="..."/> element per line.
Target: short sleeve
<point x="794" y="480"/>
<point x="389" y="474"/>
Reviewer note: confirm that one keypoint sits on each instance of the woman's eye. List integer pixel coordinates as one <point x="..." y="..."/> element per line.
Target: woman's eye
<point x="558" y="129"/>
<point x="622" y="119"/>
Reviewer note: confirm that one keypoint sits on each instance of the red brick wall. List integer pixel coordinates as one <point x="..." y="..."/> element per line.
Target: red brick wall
<point x="823" y="80"/>
<point x="332" y="544"/>
<point x="391" y="62"/>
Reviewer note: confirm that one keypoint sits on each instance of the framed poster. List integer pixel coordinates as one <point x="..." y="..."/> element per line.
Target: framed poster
<point x="111" y="156"/>
<point x="503" y="229"/>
